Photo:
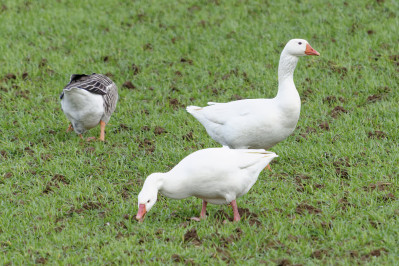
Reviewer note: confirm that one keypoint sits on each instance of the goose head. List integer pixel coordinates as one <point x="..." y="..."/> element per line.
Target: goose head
<point x="299" y="47"/>
<point x="148" y="196"/>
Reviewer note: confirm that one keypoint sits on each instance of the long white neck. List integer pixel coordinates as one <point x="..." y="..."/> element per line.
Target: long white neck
<point x="153" y="182"/>
<point x="286" y="68"/>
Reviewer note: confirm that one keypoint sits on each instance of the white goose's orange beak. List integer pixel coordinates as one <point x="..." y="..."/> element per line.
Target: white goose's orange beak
<point x="141" y="213"/>
<point x="310" y="51"/>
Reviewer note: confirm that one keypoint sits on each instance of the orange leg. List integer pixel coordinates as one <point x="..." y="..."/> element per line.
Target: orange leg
<point x="70" y="128"/>
<point x="268" y="167"/>
<point x="235" y="211"/>
<point x="80" y="135"/>
<point x="102" y="133"/>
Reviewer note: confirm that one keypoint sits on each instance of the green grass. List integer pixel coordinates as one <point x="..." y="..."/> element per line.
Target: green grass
<point x="332" y="197"/>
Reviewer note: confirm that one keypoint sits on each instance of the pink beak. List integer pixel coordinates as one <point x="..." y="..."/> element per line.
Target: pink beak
<point x="310" y="51"/>
<point x="141" y="213"/>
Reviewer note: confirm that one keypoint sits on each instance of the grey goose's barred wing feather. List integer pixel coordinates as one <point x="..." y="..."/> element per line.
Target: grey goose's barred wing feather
<point x="94" y="83"/>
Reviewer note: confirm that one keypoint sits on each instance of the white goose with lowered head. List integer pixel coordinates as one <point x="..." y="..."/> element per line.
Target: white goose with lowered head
<point x="216" y="175"/>
<point x="258" y="123"/>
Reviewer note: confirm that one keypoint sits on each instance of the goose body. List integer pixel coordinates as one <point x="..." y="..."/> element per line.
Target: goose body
<point x="258" y="123"/>
<point x="215" y="175"/>
<point x="89" y="100"/>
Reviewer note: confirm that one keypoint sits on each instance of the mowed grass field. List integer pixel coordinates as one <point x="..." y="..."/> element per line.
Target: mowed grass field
<point x="332" y="195"/>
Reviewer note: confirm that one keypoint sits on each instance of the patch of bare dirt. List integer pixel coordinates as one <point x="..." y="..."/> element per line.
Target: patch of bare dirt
<point x="186" y="60"/>
<point x="177" y="258"/>
<point x="377" y="134"/>
<point x="333" y="99"/>
<point x="374" y="253"/>
<point x="129" y="85"/>
<point x="135" y="69"/>
<point x="302" y="208"/>
<point x="188" y="136"/>
<point x="380" y="186"/>
<point x="337" y="111"/>
<point x="319" y="254"/>
<point x="192" y="236"/>
<point x="146" y="144"/>
<point x="148" y="47"/>
<point x="158" y="130"/>
<point x="324" y="126"/>
<point x="345" y="203"/>
<point x="175" y="104"/>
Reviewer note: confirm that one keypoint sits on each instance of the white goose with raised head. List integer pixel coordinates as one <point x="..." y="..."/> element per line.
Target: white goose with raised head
<point x="258" y="123"/>
<point x="215" y="175"/>
<point x="89" y="100"/>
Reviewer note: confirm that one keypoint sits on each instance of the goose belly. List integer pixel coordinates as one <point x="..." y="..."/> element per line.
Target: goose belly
<point x="83" y="109"/>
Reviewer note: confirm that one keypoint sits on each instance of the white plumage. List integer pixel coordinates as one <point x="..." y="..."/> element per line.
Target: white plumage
<point x="258" y="123"/>
<point x="89" y="100"/>
<point x="216" y="175"/>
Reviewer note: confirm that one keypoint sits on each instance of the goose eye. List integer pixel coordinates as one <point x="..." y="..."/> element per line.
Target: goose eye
<point x="148" y="201"/>
<point x="300" y="43"/>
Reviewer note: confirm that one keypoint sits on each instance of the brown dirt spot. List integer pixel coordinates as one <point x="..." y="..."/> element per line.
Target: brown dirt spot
<point x="46" y="157"/>
<point x="192" y="236"/>
<point x="304" y="207"/>
<point x="3" y="154"/>
<point x="177" y="258"/>
<point x="29" y="150"/>
<point x="319" y="254"/>
<point x="377" y="135"/>
<point x="374" y="253"/>
<point x="373" y="98"/>
<point x="109" y="74"/>
<point x="147" y="144"/>
<point x="345" y="203"/>
<point x="353" y="254"/>
<point x="319" y="186"/>
<point x="9" y="76"/>
<point x="380" y="186"/>
<point x="24" y="75"/>
<point x="342" y="172"/>
<point x="59" y="228"/>
<point x="41" y="260"/>
<point x="370" y="32"/>
<point x="337" y="111"/>
<point x="145" y="128"/>
<point x="135" y="69"/>
<point x="122" y="127"/>
<point x="148" y="47"/>
<point x="395" y="59"/>
<point x="283" y="262"/>
<point x="178" y="73"/>
<point x="236" y="97"/>
<point x="43" y="62"/>
<point x="186" y="60"/>
<point x="106" y="58"/>
<point x="60" y="179"/>
<point x="324" y="126"/>
<point x="388" y="197"/>
<point x="22" y="93"/>
<point x="174" y="103"/>
<point x="159" y="130"/>
<point x="188" y="136"/>
<point x="8" y="175"/>
<point x="129" y="85"/>
<point x="275" y="244"/>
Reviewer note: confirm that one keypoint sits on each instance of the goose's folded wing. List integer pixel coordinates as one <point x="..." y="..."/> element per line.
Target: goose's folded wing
<point x="94" y="83"/>
<point x="221" y="113"/>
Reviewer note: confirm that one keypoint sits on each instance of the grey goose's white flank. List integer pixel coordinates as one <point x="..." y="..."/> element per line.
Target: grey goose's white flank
<point x="89" y="100"/>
